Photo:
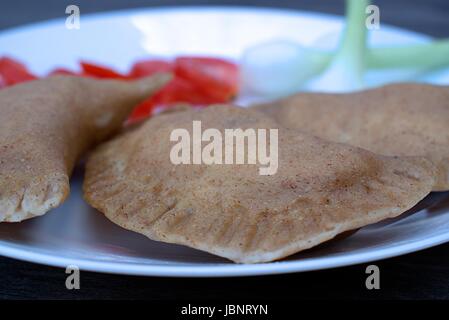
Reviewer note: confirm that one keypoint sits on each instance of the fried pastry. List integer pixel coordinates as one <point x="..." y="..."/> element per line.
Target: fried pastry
<point x="46" y="125"/>
<point x="395" y="120"/>
<point x="320" y="189"/>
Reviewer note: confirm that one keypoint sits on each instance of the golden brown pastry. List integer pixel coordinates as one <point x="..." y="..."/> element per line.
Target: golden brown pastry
<point x="395" y="120"/>
<point x="46" y="125"/>
<point x="320" y="189"/>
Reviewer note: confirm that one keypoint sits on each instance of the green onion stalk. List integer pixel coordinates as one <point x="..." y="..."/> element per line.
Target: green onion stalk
<point x="279" y="68"/>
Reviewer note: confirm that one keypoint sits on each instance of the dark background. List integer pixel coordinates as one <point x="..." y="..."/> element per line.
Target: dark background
<point x="422" y="275"/>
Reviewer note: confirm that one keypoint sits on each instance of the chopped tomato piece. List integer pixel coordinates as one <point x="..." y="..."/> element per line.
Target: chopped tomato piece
<point x="2" y="82"/>
<point x="176" y="91"/>
<point x="97" y="71"/>
<point x="142" y="111"/>
<point x="180" y="90"/>
<point x="213" y="77"/>
<point x="62" y="71"/>
<point x="149" y="67"/>
<point x="12" y="72"/>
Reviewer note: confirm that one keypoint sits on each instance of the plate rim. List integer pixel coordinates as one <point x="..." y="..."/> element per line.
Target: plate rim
<point x="213" y="270"/>
<point x="223" y="270"/>
<point x="203" y="8"/>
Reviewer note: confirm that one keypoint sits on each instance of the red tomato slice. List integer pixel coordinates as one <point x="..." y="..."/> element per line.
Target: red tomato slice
<point x="62" y="71"/>
<point x="176" y="91"/>
<point x="216" y="78"/>
<point x="97" y="71"/>
<point x="180" y="90"/>
<point x="149" y="67"/>
<point x="13" y="72"/>
<point x="2" y="82"/>
<point x="142" y="111"/>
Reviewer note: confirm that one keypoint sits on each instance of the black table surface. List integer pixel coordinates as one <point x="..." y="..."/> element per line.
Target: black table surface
<point x="420" y="275"/>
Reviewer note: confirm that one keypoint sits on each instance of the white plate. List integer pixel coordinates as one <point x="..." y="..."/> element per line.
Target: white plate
<point x="76" y="234"/>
